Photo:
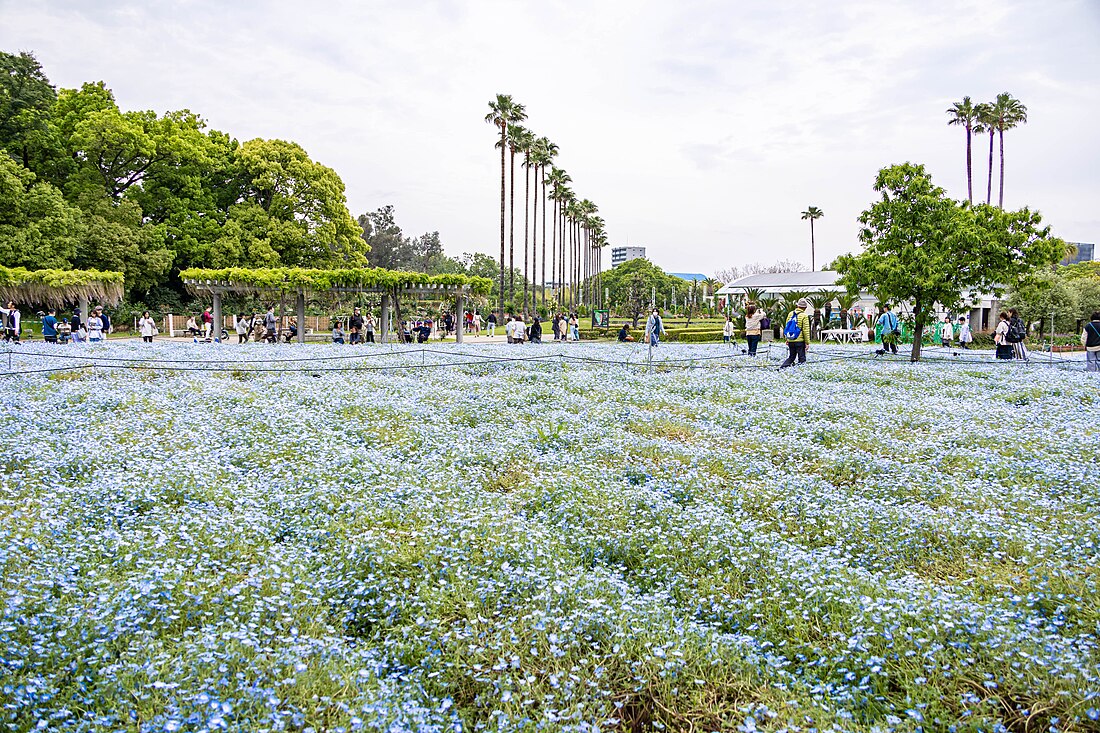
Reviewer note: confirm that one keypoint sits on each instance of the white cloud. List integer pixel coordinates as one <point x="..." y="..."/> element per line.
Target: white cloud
<point x="701" y="129"/>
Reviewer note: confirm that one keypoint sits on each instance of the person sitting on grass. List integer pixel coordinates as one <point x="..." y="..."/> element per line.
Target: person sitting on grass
<point x="624" y="334"/>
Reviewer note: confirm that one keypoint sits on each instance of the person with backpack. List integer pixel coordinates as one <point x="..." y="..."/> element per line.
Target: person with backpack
<point x="1017" y="332"/>
<point x="1090" y="339"/>
<point x="106" y="319"/>
<point x="654" y="328"/>
<point x="888" y="325"/>
<point x="49" y="327"/>
<point x="797" y="333"/>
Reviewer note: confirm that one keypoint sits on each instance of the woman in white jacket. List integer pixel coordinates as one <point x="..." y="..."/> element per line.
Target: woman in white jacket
<point x="728" y="331"/>
<point x="12" y="320"/>
<point x="148" y="327"/>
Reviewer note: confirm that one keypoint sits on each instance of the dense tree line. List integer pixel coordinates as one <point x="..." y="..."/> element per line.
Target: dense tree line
<point x="86" y="184"/>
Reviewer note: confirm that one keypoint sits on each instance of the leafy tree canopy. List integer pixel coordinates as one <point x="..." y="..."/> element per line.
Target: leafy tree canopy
<point x="924" y="248"/>
<point x="632" y="284"/>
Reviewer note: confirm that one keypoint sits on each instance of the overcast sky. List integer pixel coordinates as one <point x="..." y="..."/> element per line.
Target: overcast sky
<point x="701" y="129"/>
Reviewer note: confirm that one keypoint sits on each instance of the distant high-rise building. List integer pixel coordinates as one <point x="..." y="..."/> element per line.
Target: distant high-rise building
<point x="1082" y="252"/>
<point x="619" y="255"/>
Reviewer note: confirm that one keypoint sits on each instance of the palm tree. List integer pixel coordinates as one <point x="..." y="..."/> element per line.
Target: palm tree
<point x="1009" y="113"/>
<point x="524" y="142"/>
<point x="818" y="301"/>
<point x="987" y="122"/>
<point x="846" y="301"/>
<point x="548" y="151"/>
<point x="515" y="133"/>
<point x="558" y="180"/>
<point x="503" y="111"/>
<point x="812" y="213"/>
<point x="966" y="114"/>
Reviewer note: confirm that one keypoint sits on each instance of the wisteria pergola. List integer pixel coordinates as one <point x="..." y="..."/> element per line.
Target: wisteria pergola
<point x="58" y="288"/>
<point x="390" y="284"/>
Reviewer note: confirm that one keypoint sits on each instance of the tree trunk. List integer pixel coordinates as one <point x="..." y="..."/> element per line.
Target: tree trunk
<point x="813" y="247"/>
<point x="918" y="330"/>
<point x="969" y="169"/>
<point x="535" y="242"/>
<point x="989" y="184"/>
<point x="553" y="251"/>
<point x="511" y="237"/>
<point x="526" y="196"/>
<point x="1001" y="197"/>
<point x="543" y="281"/>
<point x="503" y="192"/>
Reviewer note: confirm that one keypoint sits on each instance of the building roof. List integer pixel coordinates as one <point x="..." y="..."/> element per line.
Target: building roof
<point x="784" y="282"/>
<point x="690" y="276"/>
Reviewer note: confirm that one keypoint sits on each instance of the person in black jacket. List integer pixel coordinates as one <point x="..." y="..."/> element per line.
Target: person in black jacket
<point x="1017" y="332"/>
<point x="534" y="331"/>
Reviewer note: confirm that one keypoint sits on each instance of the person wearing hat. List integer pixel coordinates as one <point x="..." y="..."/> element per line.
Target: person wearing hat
<point x="797" y="332"/>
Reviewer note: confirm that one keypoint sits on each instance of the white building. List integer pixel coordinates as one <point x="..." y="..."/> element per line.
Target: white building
<point x="983" y="308"/>
<point x="619" y="255"/>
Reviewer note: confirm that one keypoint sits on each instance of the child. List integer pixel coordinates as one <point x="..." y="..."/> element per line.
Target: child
<point x="965" y="337"/>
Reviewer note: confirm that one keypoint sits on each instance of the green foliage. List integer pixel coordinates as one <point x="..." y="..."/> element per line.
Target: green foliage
<point x="296" y="278"/>
<point x="37" y="225"/>
<point x="924" y="248"/>
<point x="631" y="284"/>
<point x="58" y="287"/>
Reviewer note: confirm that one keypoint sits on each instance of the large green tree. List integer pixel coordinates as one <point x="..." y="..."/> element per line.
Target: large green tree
<point x="39" y="229"/>
<point x="632" y="284"/>
<point x="923" y="248"/>
<point x="26" y="97"/>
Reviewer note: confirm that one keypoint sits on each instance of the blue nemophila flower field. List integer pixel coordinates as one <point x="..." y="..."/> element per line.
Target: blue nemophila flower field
<point x="291" y="539"/>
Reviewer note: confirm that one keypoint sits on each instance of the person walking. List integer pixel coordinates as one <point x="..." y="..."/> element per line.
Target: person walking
<point x="271" y="325"/>
<point x="728" y="330"/>
<point x="207" y="323"/>
<point x="965" y="337"/>
<point x="947" y="332"/>
<point x="797" y="333"/>
<point x="148" y="327"/>
<point x="654" y="328"/>
<point x="888" y="325"/>
<point x="1090" y="339"/>
<point x="1017" y="332"/>
<point x="754" y="327"/>
<point x="1000" y="337"/>
<point x="242" y="328"/>
<point x="49" y="327"/>
<point x="107" y="327"/>
<point x="491" y="324"/>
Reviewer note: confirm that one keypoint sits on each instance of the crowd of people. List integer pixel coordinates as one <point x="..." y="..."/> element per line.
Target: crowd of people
<point x="1009" y="336"/>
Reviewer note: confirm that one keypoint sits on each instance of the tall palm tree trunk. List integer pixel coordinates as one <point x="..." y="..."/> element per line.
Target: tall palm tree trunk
<point x="542" y="283"/>
<point x="512" y="237"/>
<point x="535" y="243"/>
<point x="969" y="169"/>
<point x="989" y="185"/>
<point x="503" y="193"/>
<point x="813" y="249"/>
<point x="1001" y="196"/>
<point x="554" y="252"/>
<point x="526" y="197"/>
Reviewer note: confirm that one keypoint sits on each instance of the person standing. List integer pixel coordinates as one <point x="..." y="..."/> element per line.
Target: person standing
<point x="965" y="337"/>
<point x="49" y="327"/>
<point x="355" y="323"/>
<point x="1017" y="332"/>
<point x="12" y="320"/>
<point x="534" y="334"/>
<point x="148" y="327"/>
<point x="207" y="323"/>
<point x="1090" y="339"/>
<point x="1000" y="337"/>
<point x="654" y="328"/>
<point x="947" y="332"/>
<point x="95" y="327"/>
<point x="271" y="325"/>
<point x="491" y="324"/>
<point x="754" y="327"/>
<point x="728" y="330"/>
<point x="369" y="321"/>
<point x="888" y="326"/>
<point x="797" y="333"/>
<point x="107" y="327"/>
<point x="575" y="327"/>
<point x="242" y="328"/>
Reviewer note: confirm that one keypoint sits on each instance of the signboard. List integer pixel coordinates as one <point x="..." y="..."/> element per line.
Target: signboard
<point x="601" y="318"/>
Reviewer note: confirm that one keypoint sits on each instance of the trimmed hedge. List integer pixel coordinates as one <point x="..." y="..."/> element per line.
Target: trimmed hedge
<point x="294" y="278"/>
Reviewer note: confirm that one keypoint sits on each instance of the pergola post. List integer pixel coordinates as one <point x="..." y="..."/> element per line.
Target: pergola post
<point x="217" y="335"/>
<point x="301" y="314"/>
<point x="82" y="302"/>
<point x="460" y="319"/>
<point x="385" y="317"/>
